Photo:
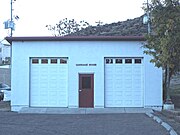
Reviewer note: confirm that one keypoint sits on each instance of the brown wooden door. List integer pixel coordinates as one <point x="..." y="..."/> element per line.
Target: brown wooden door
<point x="86" y="90"/>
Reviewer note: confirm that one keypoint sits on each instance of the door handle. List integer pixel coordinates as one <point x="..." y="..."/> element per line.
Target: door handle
<point x="80" y="90"/>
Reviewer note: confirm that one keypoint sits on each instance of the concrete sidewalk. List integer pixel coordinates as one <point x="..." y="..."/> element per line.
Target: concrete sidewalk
<point x="84" y="110"/>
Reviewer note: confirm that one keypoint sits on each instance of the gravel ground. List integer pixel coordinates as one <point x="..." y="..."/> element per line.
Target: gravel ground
<point x="170" y="119"/>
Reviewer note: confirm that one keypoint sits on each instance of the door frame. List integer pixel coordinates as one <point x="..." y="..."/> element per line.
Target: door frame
<point x="92" y="85"/>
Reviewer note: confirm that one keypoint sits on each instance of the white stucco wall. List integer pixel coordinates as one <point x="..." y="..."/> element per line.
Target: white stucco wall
<point x="80" y="52"/>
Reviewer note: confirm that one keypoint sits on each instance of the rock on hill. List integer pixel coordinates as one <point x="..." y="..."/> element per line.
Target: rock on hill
<point x="130" y="27"/>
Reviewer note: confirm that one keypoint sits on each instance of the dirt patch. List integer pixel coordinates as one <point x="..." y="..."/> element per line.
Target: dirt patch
<point x="175" y="90"/>
<point x="176" y="100"/>
<point x="5" y="106"/>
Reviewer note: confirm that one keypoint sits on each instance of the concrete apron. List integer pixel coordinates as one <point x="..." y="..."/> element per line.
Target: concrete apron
<point x="84" y="110"/>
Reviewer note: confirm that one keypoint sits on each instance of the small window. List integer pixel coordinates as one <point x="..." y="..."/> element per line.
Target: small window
<point x="86" y="82"/>
<point x="119" y="61"/>
<point x="63" y="61"/>
<point x="44" y="61"/>
<point x="137" y="61"/>
<point x="109" y="61"/>
<point x="35" y="61"/>
<point x="53" y="61"/>
<point x="128" y="61"/>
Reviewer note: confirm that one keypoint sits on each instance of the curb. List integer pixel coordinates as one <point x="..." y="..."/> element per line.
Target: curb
<point x="162" y="123"/>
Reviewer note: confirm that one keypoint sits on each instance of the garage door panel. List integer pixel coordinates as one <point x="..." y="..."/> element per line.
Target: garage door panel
<point x="118" y="81"/>
<point x="128" y="103"/>
<point x="43" y="77"/>
<point x="53" y="68"/>
<point x="137" y="86"/>
<point x="119" y="86"/>
<point x="35" y="69"/>
<point x="123" y="83"/>
<point x="49" y="83"/>
<point x="127" y="69"/>
<point x="53" y="76"/>
<point x="119" y="93"/>
<point x="128" y="93"/>
<point x="53" y="85"/>
<point x="44" y="70"/>
<point x="109" y="103"/>
<point x="109" y="87"/>
<point x="128" y="85"/>
<point x="137" y="102"/>
<point x="53" y="102"/>
<point x="118" y="102"/>
<point x="109" y="95"/>
<point x="119" y="69"/>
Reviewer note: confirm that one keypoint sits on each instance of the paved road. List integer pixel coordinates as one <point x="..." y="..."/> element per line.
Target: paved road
<point x="94" y="124"/>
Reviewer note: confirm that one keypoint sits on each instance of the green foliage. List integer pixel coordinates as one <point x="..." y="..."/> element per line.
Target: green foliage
<point x="66" y="27"/>
<point x="164" y="41"/>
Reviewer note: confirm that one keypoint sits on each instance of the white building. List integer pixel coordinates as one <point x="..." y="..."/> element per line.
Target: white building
<point x="4" y="53"/>
<point x="75" y="72"/>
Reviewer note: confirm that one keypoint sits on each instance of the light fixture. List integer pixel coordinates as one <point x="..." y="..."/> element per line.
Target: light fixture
<point x="145" y="19"/>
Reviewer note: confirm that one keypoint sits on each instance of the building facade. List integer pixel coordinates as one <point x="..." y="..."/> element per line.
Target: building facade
<point x="81" y="72"/>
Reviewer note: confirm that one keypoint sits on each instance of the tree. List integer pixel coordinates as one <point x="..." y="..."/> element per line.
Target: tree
<point x="163" y="43"/>
<point x="66" y="27"/>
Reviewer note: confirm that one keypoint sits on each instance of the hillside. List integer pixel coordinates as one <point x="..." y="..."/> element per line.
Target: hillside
<point x="130" y="27"/>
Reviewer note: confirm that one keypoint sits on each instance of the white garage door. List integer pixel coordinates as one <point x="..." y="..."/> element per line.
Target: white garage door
<point x="124" y="82"/>
<point x="48" y="82"/>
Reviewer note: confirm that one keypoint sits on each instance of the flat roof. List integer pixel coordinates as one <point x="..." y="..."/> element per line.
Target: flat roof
<point x="77" y="38"/>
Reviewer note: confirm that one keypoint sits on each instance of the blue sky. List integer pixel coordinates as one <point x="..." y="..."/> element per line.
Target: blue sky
<point x="35" y="14"/>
